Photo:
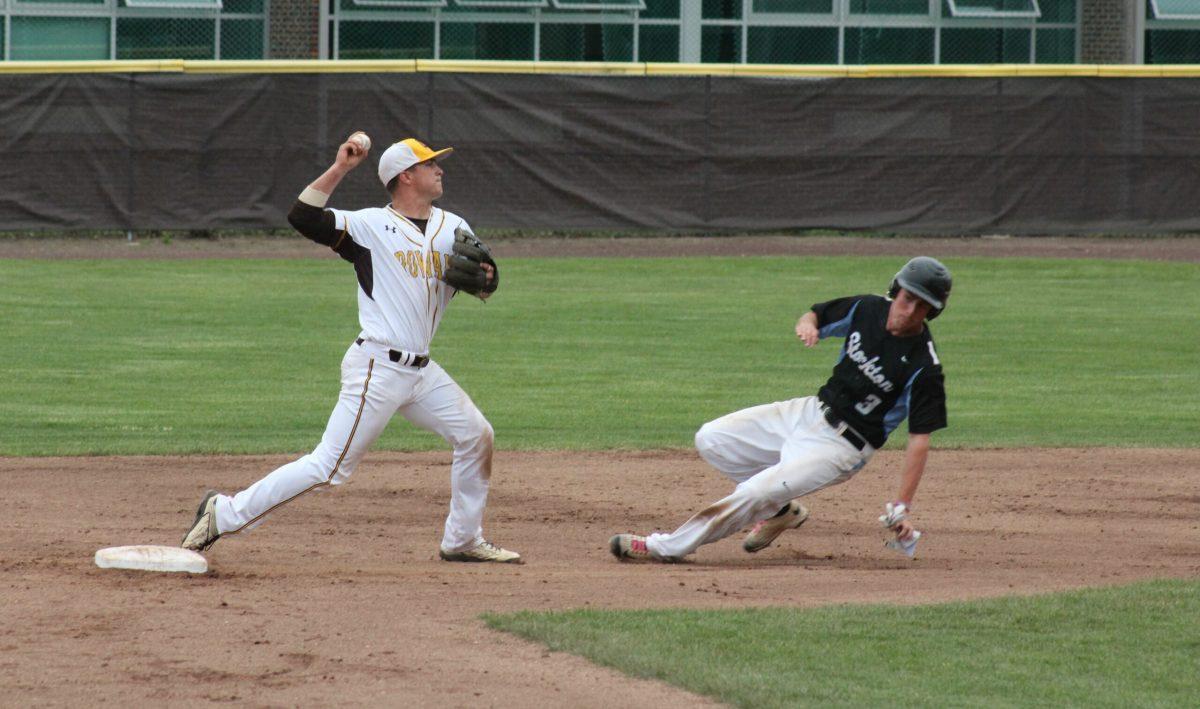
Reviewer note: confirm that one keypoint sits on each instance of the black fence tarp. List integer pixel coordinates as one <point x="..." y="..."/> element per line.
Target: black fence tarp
<point x="962" y="155"/>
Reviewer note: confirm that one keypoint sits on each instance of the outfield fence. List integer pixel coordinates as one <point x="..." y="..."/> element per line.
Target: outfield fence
<point x="209" y="145"/>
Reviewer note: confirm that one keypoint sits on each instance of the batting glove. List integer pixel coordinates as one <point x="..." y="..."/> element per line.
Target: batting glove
<point x="893" y="514"/>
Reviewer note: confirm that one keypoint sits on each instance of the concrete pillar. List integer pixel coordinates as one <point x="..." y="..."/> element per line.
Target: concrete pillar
<point x="1109" y="31"/>
<point x="294" y="29"/>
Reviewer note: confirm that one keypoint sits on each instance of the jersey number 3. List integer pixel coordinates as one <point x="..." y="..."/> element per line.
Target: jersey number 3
<point x="864" y="407"/>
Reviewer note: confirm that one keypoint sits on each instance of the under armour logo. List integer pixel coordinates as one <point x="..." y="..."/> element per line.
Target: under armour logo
<point x="904" y="359"/>
<point x="392" y="229"/>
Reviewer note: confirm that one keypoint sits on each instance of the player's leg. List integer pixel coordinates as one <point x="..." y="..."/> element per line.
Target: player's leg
<point x="739" y="445"/>
<point x="369" y="395"/>
<point x="440" y="405"/>
<point x="747" y="442"/>
<point x="758" y="498"/>
<point x="814" y="457"/>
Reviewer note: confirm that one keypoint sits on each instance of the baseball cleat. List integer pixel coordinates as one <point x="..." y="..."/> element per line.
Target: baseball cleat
<point x="632" y="547"/>
<point x="203" y="533"/>
<point x="483" y="551"/>
<point x="769" y="530"/>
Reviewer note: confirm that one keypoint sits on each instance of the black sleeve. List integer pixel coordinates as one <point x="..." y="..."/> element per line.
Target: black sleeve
<point x="834" y="310"/>
<point x="927" y="409"/>
<point x="314" y="223"/>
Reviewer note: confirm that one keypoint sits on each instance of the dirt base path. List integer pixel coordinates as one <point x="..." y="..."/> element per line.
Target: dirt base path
<point x="339" y="597"/>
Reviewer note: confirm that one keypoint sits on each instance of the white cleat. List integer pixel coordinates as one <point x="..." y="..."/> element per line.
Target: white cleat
<point x="203" y="533"/>
<point x="769" y="530"/>
<point x="483" y="551"/>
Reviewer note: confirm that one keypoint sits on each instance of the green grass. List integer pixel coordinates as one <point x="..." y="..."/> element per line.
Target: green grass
<point x="116" y="357"/>
<point x="1115" y="647"/>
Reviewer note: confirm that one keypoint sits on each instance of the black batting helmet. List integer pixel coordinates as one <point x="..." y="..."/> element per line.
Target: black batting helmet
<point x="928" y="279"/>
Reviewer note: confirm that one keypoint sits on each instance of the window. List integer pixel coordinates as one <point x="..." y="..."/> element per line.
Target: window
<point x="1055" y="47"/>
<point x="792" y="45"/>
<point x="720" y="44"/>
<point x="59" y="38"/>
<point x="1172" y="36"/>
<point x="714" y="31"/>
<point x="599" y="4"/>
<point x="658" y="43"/>
<point x="242" y="39"/>
<point x="133" y="29"/>
<point x="985" y="46"/>
<point x="175" y="37"/>
<point x="1175" y="9"/>
<point x="588" y="43"/>
<point x="721" y="9"/>
<point x="994" y="8"/>
<point x="1169" y="47"/>
<point x="385" y="40"/>
<point x="811" y="7"/>
<point x="889" y="7"/>
<point x="401" y="3"/>
<point x="889" y="45"/>
<point x="488" y="4"/>
<point x="184" y="4"/>
<point x="487" y="40"/>
<point x="1058" y="11"/>
<point x="661" y="9"/>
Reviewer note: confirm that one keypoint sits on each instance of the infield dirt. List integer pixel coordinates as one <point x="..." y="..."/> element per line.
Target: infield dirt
<point x="339" y="598"/>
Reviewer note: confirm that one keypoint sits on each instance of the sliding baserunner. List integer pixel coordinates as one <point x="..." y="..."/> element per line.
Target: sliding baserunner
<point x="888" y="370"/>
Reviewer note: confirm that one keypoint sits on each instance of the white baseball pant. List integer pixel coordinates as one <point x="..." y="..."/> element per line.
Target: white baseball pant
<point x="775" y="453"/>
<point x="373" y="390"/>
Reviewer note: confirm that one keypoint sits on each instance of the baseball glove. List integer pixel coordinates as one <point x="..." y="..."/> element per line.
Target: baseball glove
<point x="465" y="271"/>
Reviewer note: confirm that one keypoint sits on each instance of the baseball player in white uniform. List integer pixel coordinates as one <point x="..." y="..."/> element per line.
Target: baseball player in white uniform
<point x="401" y="253"/>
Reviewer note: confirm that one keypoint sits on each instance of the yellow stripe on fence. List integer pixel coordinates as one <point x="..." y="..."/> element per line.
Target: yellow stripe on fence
<point x="368" y="66"/>
<point x="92" y="67"/>
<point x="301" y="66"/>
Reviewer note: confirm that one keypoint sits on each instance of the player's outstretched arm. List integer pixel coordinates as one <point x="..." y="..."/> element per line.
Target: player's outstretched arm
<point x="915" y="456"/>
<point x="308" y="215"/>
<point x="806" y="329"/>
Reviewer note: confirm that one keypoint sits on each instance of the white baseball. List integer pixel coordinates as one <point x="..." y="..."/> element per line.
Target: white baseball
<point x="363" y="140"/>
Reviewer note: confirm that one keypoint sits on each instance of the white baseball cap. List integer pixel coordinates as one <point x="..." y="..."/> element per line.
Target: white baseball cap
<point x="404" y="155"/>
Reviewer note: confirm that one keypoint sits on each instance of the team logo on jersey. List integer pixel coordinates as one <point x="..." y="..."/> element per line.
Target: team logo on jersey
<point x="870" y="367"/>
<point x="421" y="265"/>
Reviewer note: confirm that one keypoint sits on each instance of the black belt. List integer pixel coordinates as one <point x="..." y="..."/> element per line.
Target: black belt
<point x="844" y="429"/>
<point x="411" y="360"/>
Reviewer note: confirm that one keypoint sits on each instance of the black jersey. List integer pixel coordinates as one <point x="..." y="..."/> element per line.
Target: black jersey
<point x="880" y="379"/>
